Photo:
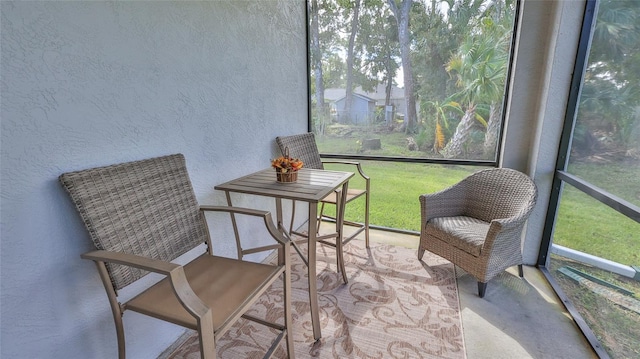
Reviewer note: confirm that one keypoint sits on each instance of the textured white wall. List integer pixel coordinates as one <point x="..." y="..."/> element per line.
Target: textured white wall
<point x="94" y="83"/>
<point x="545" y="54"/>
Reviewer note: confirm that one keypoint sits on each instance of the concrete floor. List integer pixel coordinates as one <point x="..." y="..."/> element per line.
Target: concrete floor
<point x="517" y="318"/>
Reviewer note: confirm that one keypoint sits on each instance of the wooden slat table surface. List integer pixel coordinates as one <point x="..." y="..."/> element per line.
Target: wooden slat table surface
<point x="312" y="185"/>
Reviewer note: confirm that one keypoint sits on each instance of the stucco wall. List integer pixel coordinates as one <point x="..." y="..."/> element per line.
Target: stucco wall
<point x="544" y="56"/>
<point x="94" y="83"/>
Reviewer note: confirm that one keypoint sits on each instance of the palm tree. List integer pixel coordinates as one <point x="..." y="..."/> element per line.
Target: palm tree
<point x="480" y="68"/>
<point x="442" y="113"/>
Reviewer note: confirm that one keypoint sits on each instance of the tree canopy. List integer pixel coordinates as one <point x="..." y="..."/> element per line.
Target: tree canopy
<point x="450" y="60"/>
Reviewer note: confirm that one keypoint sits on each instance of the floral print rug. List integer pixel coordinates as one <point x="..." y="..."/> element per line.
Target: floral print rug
<point x="394" y="306"/>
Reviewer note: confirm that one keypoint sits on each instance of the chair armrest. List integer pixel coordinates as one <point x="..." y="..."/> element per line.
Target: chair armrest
<point x="352" y="163"/>
<point x="266" y="215"/>
<point x="511" y="222"/>
<point x="514" y="222"/>
<point x="181" y="288"/>
<point x="448" y="202"/>
<point x="131" y="260"/>
<point x="503" y="239"/>
<point x="502" y="230"/>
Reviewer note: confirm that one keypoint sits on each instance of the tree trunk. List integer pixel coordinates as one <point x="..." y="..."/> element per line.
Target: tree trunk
<point x="402" y="18"/>
<point x="491" y="137"/>
<point x="455" y="149"/>
<point x="316" y="58"/>
<point x="389" y="85"/>
<point x="348" y="101"/>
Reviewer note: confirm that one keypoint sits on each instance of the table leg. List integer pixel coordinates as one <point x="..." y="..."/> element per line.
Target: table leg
<point x="279" y="214"/>
<point x="286" y="233"/>
<point x="235" y="226"/>
<point x="313" y="281"/>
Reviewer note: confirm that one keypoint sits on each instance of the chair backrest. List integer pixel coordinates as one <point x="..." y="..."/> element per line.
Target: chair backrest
<point x="303" y="147"/>
<point x="147" y="208"/>
<point x="499" y="193"/>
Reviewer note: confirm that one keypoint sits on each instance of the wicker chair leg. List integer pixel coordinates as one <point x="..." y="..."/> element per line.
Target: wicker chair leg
<point x="482" y="287"/>
<point x="520" y="271"/>
<point x="420" y="253"/>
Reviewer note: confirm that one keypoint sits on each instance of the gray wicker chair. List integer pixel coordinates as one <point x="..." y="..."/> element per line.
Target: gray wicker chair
<point x="142" y="215"/>
<point x="304" y="147"/>
<point x="477" y="223"/>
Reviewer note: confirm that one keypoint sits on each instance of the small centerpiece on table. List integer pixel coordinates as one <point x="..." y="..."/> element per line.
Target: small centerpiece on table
<point x="287" y="167"/>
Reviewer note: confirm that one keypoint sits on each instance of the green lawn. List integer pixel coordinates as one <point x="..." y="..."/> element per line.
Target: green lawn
<point x="392" y="144"/>
<point x="622" y="180"/>
<point x="583" y="223"/>
<point x="615" y="327"/>
<point x="395" y="188"/>
<point x="589" y="226"/>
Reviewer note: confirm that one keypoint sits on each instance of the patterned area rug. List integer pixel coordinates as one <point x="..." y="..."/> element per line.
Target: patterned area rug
<point x="394" y="306"/>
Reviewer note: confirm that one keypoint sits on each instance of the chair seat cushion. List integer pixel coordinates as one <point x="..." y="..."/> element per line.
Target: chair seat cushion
<point x="221" y="283"/>
<point x="465" y="233"/>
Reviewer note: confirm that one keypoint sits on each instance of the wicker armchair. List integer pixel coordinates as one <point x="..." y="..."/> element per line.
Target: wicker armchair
<point x="304" y="146"/>
<point x="477" y="223"/>
<point x="142" y="215"/>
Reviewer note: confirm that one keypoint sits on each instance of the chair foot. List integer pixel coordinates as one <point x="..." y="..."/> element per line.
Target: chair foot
<point x="482" y="287"/>
<point x="520" y="271"/>
<point x="420" y="253"/>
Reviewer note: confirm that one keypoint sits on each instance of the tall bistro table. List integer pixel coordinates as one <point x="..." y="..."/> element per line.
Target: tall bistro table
<point x="312" y="186"/>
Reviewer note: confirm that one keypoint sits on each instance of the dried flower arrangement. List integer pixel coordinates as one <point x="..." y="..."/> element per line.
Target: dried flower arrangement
<point x="286" y="164"/>
<point x="287" y="167"/>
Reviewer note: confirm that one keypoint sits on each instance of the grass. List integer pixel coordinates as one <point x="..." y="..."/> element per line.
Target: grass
<point x="392" y="143"/>
<point x="587" y="225"/>
<point x="395" y="188"/>
<point x="582" y="223"/>
<point x="620" y="179"/>
<point x="615" y="327"/>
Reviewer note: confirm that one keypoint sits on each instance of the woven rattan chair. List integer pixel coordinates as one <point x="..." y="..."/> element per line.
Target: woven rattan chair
<point x="477" y="223"/>
<point x="142" y="215"/>
<point x="304" y="147"/>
